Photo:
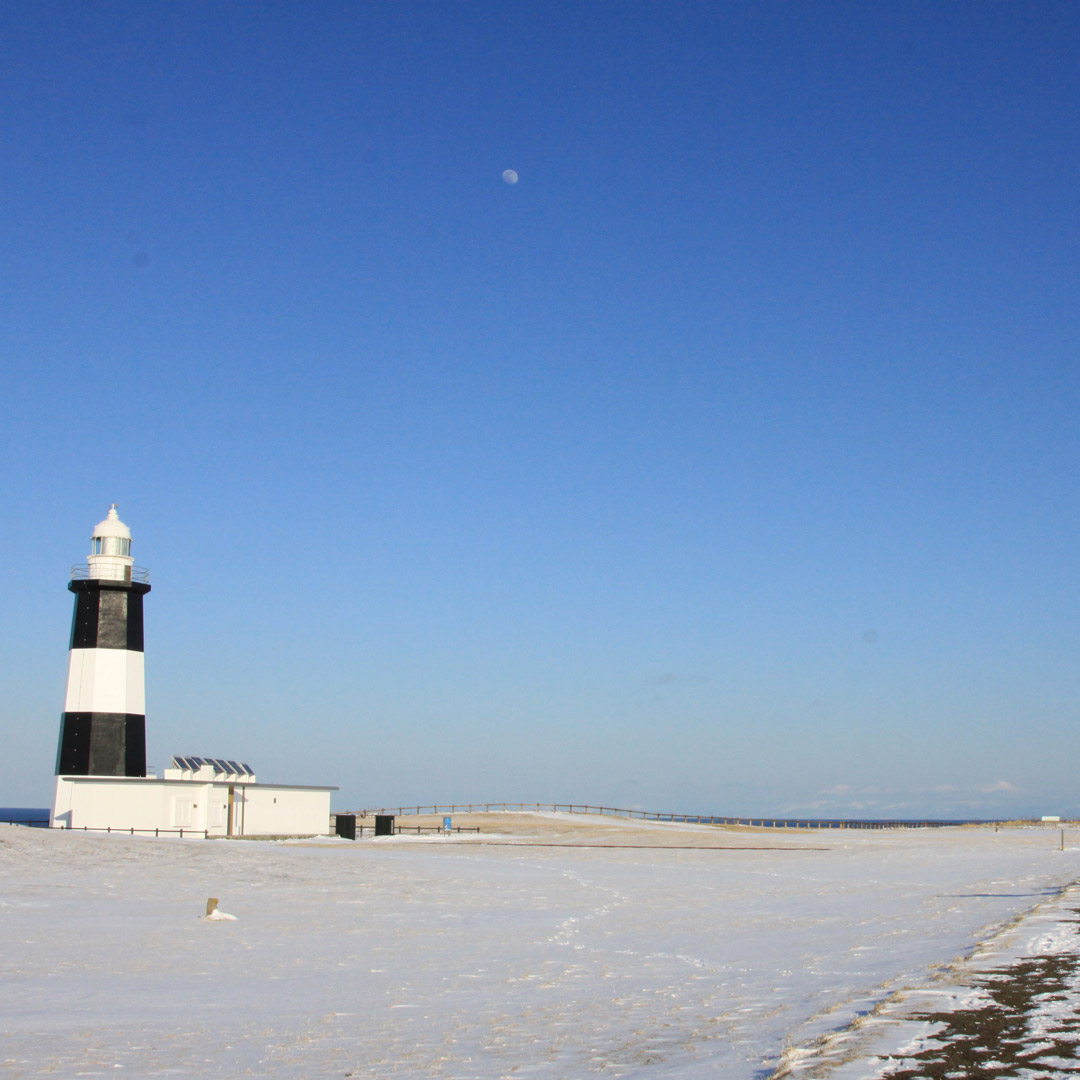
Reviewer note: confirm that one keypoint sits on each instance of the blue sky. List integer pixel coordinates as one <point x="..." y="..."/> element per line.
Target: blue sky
<point x="724" y="463"/>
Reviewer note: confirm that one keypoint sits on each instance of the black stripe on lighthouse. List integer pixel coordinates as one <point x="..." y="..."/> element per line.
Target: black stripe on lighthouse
<point x="101" y="744"/>
<point x="107" y="616"/>
<point x="103" y="727"/>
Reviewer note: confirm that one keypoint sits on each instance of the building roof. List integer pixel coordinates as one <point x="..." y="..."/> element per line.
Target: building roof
<point x="72" y="778"/>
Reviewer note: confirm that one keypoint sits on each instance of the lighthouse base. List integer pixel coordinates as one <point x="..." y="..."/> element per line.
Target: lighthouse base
<point x="102" y="744"/>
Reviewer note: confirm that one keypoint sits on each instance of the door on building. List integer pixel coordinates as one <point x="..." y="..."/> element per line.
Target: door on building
<point x="217" y="809"/>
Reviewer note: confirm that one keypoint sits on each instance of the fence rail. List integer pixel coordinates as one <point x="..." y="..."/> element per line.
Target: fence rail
<point x="418" y="829"/>
<point x="204" y="833"/>
<point x="766" y="822"/>
<point x="571" y="808"/>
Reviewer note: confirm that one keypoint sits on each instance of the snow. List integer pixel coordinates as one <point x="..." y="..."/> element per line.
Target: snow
<point x="218" y="916"/>
<point x="489" y="957"/>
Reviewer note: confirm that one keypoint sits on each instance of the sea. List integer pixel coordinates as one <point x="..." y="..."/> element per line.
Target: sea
<point x="37" y="817"/>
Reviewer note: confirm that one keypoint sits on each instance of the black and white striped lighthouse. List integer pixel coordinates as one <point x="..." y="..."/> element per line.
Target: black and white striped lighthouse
<point x="103" y="729"/>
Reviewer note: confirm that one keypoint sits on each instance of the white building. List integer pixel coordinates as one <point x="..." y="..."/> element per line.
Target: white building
<point x="200" y="796"/>
<point x="101" y="780"/>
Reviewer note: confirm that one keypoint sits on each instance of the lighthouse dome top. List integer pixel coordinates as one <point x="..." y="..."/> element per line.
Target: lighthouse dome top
<point x="111" y="526"/>
<point x="110" y="555"/>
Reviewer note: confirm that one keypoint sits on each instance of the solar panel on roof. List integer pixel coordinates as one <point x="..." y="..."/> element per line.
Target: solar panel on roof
<point x="189" y="762"/>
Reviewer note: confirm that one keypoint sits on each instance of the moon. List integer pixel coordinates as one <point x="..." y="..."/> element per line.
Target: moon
<point x="509" y="176"/>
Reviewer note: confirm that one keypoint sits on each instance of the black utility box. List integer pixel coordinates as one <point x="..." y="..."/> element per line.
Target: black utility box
<point x="384" y="824"/>
<point x="345" y="825"/>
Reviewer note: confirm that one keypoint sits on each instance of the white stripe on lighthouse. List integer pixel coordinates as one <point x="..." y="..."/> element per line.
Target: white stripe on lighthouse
<point x="105" y="681"/>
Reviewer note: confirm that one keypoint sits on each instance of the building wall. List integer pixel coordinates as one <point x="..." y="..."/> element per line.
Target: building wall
<point x="270" y="811"/>
<point x="78" y="805"/>
<point x="122" y="803"/>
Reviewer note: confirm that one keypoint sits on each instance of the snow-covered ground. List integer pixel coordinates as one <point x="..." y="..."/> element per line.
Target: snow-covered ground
<point x="489" y="957"/>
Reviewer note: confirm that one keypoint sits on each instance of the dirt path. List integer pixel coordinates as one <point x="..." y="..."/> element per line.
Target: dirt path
<point x="1026" y="1025"/>
<point x="1011" y="1010"/>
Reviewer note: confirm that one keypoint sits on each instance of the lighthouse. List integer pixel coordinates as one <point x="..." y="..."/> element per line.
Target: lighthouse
<point x="103" y="727"/>
<point x="101" y="780"/>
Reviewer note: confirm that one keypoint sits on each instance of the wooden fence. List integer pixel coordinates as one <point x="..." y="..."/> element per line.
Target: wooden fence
<point x="665" y="816"/>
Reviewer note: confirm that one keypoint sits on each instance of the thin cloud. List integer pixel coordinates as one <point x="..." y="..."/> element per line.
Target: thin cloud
<point x="999" y="786"/>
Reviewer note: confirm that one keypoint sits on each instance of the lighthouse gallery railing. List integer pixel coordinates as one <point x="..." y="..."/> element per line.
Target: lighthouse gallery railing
<point x="81" y="572"/>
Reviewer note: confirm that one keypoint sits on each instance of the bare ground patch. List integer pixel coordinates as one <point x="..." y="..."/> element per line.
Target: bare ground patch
<point x="589" y="830"/>
<point x="1025" y="1026"/>
<point x="1016" y="1016"/>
